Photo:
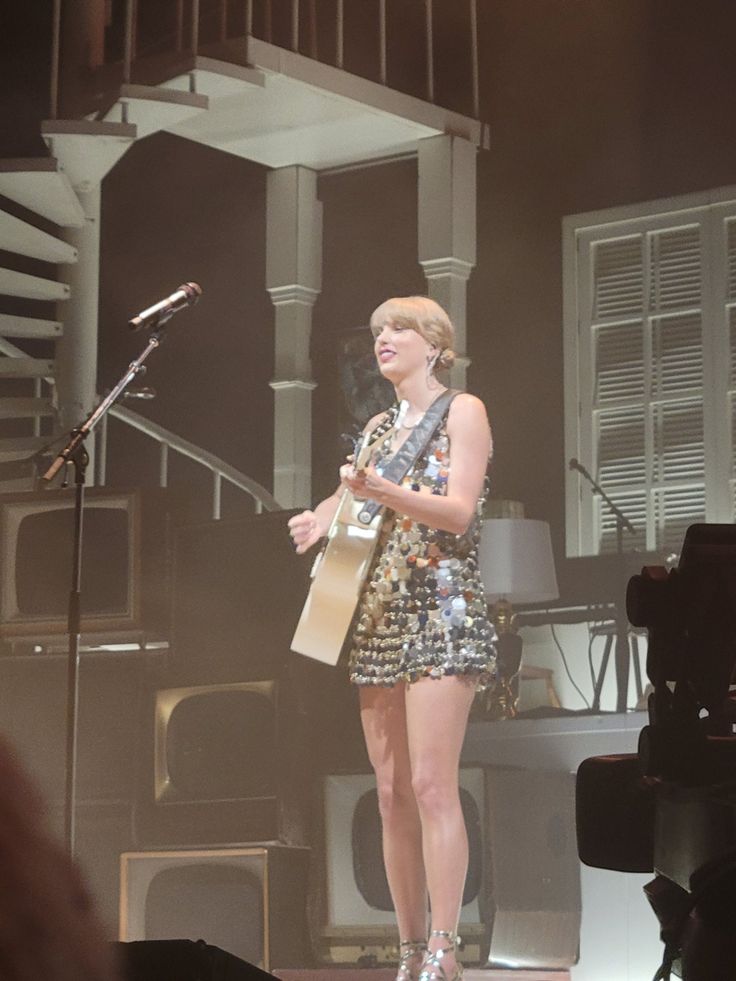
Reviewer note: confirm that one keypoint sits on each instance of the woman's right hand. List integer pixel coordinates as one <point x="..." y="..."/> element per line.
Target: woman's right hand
<point x="305" y="530"/>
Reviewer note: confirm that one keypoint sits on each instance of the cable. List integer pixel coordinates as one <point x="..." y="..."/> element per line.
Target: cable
<point x="591" y="638"/>
<point x="567" y="668"/>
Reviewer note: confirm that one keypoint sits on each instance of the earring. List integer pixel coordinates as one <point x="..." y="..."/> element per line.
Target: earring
<point x="431" y="362"/>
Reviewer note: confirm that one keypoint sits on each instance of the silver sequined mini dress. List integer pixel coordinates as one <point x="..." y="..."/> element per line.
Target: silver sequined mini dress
<point x="422" y="611"/>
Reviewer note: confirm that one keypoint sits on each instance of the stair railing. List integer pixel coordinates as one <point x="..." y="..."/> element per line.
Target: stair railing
<point x="168" y="441"/>
<point x="196" y="16"/>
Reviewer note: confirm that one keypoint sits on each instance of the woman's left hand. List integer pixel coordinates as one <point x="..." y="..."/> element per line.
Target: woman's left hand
<point x="367" y="484"/>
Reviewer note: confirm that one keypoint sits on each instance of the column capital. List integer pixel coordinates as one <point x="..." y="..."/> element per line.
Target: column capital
<point x="292" y="293"/>
<point x="303" y="384"/>
<point x="446" y="266"/>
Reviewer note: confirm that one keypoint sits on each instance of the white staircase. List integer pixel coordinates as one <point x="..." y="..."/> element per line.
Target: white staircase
<point x="27" y="341"/>
<point x="40" y="216"/>
<point x="37" y="195"/>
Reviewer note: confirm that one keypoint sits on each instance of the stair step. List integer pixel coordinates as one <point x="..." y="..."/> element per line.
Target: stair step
<point x="86" y="148"/>
<point x="12" y="326"/>
<point x="23" y="239"/>
<point x="25" y="408"/>
<point x="217" y="79"/>
<point x="153" y="109"/>
<point x="40" y="185"/>
<point x="23" y="444"/>
<point x="26" y="368"/>
<point x="14" y="283"/>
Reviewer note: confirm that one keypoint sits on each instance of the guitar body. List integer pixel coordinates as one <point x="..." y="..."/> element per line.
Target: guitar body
<point x="341" y="569"/>
<point x="339" y="573"/>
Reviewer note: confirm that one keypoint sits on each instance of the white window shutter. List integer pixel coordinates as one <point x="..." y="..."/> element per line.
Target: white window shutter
<point x="655" y="369"/>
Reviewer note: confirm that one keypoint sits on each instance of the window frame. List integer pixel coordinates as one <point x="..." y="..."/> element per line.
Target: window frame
<point x="712" y="210"/>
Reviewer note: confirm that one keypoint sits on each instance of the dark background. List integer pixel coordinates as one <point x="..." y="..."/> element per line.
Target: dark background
<point x="590" y="104"/>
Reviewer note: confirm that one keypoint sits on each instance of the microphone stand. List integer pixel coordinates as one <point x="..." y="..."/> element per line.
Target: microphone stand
<point x="75" y="453"/>
<point x="621" y="628"/>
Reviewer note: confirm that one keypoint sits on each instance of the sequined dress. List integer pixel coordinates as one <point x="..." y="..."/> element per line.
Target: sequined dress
<point x="422" y="611"/>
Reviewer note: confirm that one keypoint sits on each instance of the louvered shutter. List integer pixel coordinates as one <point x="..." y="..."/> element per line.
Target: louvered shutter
<point x="639" y="301"/>
<point x="676" y="371"/>
<point x="619" y="385"/>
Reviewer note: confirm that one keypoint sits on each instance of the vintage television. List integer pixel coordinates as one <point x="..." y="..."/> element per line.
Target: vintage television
<point x="357" y="916"/>
<point x="248" y="901"/>
<point x="228" y="767"/>
<point x="36" y="546"/>
<point x="522" y="901"/>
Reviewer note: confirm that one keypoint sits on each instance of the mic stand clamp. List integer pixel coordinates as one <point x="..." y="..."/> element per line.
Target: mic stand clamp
<point x="75" y="453"/>
<point x="79" y="434"/>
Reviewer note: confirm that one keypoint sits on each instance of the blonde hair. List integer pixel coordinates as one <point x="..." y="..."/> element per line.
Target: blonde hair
<point x="423" y="315"/>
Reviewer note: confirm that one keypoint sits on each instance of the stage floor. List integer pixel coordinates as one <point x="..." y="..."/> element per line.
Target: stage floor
<point x="388" y="974"/>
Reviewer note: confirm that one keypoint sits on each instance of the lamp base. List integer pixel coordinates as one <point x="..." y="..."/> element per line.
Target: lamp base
<point x="502" y="701"/>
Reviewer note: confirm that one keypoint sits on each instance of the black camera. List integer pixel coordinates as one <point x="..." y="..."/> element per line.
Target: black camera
<point x="671" y="807"/>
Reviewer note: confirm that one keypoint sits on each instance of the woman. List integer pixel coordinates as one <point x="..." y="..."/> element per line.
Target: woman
<point x="422" y="641"/>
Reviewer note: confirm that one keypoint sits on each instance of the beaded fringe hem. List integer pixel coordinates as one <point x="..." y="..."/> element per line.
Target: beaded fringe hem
<point x="485" y="678"/>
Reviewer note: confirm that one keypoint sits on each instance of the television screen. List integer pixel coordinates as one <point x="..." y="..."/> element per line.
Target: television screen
<point x="249" y="901"/>
<point x="36" y="549"/>
<point x="368" y="867"/>
<point x="216" y="742"/>
<point x="228" y="767"/>
<point x="207" y="900"/>
<point x="357" y="893"/>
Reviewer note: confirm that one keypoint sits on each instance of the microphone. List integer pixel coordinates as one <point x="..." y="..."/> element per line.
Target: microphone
<point x="157" y="315"/>
<point x="574" y="464"/>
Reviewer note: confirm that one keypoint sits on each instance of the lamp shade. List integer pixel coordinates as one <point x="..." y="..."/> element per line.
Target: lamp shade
<point x="516" y="561"/>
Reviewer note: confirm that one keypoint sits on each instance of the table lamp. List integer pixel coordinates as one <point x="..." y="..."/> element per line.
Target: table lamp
<point x="516" y="566"/>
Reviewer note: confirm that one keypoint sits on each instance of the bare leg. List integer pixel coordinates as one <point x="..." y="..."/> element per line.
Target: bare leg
<point x="437" y="713"/>
<point x="383" y="715"/>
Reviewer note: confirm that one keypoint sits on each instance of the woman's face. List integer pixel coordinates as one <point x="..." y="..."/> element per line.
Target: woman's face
<point x="400" y="350"/>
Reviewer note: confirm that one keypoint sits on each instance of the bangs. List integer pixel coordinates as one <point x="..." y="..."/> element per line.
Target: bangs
<point x="399" y="309"/>
<point x="418" y="313"/>
<point x="376" y="324"/>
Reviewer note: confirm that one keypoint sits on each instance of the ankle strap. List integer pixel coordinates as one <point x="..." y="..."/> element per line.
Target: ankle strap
<point x="454" y="939"/>
<point x="413" y="943"/>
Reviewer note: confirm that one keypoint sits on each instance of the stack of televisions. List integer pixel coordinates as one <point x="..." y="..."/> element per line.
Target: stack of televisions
<point x="255" y="841"/>
<point x="222" y="809"/>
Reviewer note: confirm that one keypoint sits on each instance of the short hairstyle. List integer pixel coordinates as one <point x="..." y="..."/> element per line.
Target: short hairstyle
<point x="423" y="315"/>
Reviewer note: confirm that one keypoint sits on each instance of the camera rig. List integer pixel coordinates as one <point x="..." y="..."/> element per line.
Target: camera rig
<point x="671" y="807"/>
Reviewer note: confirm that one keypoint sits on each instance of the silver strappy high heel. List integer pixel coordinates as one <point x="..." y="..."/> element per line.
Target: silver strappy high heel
<point x="433" y="969"/>
<point x="407" y="950"/>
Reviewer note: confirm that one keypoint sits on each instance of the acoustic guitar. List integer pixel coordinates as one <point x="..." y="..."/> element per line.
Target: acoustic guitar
<point x="339" y="571"/>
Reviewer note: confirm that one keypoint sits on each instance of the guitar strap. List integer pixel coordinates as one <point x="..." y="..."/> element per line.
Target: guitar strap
<point x="411" y="449"/>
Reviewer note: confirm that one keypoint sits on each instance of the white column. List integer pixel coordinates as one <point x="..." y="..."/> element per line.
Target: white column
<point x="76" y="351"/>
<point x="447" y="231"/>
<point x="293" y="280"/>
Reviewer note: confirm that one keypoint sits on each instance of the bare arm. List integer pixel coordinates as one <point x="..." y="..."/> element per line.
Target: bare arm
<point x="307" y="528"/>
<point x="470" y="447"/>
